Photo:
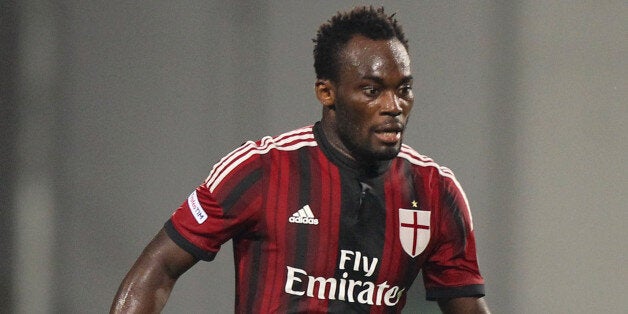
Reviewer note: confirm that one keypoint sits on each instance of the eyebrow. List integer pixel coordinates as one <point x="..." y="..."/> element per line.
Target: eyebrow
<point x="379" y="80"/>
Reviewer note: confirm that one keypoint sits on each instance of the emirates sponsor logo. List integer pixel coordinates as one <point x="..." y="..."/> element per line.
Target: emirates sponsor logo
<point x="300" y="283"/>
<point x="303" y="216"/>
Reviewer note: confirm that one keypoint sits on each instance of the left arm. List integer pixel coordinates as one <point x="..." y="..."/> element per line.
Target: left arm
<point x="465" y="305"/>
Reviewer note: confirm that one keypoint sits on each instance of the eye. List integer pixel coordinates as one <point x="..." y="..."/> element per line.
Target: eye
<point x="405" y="91"/>
<point x="371" y="91"/>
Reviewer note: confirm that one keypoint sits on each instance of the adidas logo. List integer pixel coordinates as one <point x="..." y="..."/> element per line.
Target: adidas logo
<point x="304" y="216"/>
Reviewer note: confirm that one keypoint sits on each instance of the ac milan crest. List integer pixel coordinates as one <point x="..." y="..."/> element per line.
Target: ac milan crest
<point x="414" y="230"/>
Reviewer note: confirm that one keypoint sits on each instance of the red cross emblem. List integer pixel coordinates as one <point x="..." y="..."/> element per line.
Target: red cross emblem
<point x="414" y="230"/>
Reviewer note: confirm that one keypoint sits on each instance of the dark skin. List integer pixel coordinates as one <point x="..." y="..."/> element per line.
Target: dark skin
<point x="364" y="115"/>
<point x="148" y="284"/>
<point x="366" y="111"/>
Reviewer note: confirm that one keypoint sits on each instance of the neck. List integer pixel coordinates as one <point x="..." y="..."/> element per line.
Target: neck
<point x="330" y="129"/>
<point x="363" y="167"/>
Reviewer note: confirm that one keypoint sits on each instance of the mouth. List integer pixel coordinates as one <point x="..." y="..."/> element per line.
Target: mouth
<point x="389" y="133"/>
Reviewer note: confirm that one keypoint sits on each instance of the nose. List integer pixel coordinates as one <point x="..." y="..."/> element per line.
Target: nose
<point x="392" y="105"/>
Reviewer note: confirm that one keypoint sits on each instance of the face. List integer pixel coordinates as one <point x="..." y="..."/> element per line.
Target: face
<point x="371" y="100"/>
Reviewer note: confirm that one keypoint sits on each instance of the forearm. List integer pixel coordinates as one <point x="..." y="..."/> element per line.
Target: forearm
<point x="142" y="293"/>
<point x="464" y="306"/>
<point x="148" y="284"/>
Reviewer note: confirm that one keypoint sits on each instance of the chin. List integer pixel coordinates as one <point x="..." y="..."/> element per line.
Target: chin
<point x="387" y="153"/>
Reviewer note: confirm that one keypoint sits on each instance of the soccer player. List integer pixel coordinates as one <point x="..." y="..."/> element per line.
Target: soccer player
<point x="336" y="217"/>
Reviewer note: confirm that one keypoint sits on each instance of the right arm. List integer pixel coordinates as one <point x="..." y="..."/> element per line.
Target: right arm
<point x="147" y="286"/>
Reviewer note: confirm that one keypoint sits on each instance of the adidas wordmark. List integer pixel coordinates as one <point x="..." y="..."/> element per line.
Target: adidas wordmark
<point x="304" y="216"/>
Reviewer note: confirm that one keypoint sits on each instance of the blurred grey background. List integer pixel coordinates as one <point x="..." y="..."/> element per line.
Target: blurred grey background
<point x="114" y="111"/>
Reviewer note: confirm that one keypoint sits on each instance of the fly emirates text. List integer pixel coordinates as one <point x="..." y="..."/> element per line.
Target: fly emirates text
<point x="343" y="289"/>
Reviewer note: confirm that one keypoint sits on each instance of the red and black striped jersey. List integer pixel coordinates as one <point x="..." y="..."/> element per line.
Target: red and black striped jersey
<point x="315" y="232"/>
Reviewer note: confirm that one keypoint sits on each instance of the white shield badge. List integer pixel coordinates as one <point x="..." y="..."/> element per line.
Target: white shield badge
<point x="414" y="230"/>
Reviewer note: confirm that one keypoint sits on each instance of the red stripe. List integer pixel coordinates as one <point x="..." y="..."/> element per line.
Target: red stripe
<point x="277" y="268"/>
<point x="328" y="189"/>
<point x="265" y="298"/>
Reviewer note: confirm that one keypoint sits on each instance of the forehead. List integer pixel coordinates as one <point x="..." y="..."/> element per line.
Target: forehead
<point x="367" y="57"/>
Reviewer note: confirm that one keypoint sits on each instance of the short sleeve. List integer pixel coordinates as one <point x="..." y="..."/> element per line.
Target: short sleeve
<point x="452" y="269"/>
<point x="198" y="225"/>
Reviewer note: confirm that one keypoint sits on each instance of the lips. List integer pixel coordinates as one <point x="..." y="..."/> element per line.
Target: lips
<point x="389" y="133"/>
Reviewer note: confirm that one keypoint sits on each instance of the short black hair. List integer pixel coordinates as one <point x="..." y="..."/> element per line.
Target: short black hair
<point x="332" y="36"/>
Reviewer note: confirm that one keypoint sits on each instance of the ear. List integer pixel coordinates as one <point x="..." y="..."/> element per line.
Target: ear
<point x="325" y="92"/>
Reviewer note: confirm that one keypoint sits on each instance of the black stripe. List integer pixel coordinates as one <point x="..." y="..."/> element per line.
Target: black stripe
<point x="302" y="246"/>
<point x="362" y="228"/>
<point x="305" y="181"/>
<point x="187" y="245"/>
<point x="434" y="294"/>
<point x="240" y="189"/>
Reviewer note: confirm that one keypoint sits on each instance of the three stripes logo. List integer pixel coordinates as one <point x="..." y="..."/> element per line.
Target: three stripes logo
<point x="304" y="216"/>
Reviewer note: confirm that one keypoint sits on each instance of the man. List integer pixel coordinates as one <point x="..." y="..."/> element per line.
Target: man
<point x="338" y="217"/>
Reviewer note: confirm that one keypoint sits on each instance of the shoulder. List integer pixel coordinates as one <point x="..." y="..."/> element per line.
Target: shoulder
<point x="293" y="140"/>
<point x="430" y="171"/>
<point x="427" y="168"/>
<point x="424" y="164"/>
<point x="251" y="152"/>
